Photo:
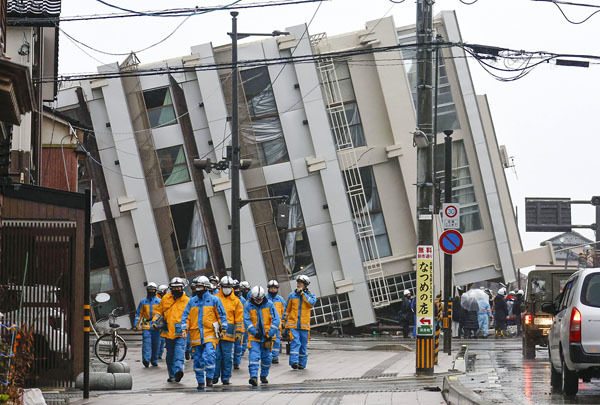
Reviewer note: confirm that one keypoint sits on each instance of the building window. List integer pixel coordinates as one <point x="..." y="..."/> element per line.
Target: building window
<point x="463" y="191"/>
<point x="344" y="117"/>
<point x="189" y="240"/>
<point x="331" y="309"/>
<point x="265" y="129"/>
<point x="160" y="107"/>
<point x="297" y="256"/>
<point x="173" y="165"/>
<point x="447" y="118"/>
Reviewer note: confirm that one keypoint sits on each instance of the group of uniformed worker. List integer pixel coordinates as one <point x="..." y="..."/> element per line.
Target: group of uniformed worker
<point x="222" y="320"/>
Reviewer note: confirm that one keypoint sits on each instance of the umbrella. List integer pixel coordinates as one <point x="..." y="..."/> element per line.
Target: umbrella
<point x="469" y="299"/>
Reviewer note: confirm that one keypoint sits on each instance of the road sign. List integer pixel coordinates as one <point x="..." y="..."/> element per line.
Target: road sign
<point x="547" y="215"/>
<point x="424" y="293"/>
<point x="451" y="241"/>
<point x="450" y="216"/>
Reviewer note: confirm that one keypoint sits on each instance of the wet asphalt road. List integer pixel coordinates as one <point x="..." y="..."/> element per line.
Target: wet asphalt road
<point x="518" y="380"/>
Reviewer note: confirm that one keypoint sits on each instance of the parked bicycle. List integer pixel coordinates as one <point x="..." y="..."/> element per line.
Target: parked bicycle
<point x="110" y="347"/>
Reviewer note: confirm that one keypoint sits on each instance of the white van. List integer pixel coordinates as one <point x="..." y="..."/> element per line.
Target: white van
<point x="574" y="339"/>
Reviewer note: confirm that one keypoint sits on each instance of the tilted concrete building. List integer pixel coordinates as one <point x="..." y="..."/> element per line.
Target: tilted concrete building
<point x="334" y="134"/>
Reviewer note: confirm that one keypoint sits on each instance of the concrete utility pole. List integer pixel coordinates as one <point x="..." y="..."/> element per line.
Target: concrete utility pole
<point x="448" y="257"/>
<point x="236" y="262"/>
<point x="424" y="294"/>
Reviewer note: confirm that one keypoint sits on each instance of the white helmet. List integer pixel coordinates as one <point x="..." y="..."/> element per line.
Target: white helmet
<point x="303" y="279"/>
<point x="177" y="282"/>
<point x="244" y="285"/>
<point x="151" y="286"/>
<point x="273" y="283"/>
<point x="258" y="293"/>
<point x="406" y="292"/>
<point x="226" y="281"/>
<point x="502" y="291"/>
<point x="162" y="289"/>
<point x="520" y="292"/>
<point x="203" y="281"/>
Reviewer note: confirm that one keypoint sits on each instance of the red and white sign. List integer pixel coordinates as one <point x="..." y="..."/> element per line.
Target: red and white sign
<point x="450" y="216"/>
<point x="451" y="241"/>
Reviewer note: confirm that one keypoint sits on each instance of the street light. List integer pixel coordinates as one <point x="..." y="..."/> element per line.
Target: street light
<point x="235" y="144"/>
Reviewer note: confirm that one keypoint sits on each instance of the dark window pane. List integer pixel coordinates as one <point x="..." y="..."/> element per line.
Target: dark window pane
<point x="160" y="107"/>
<point x="173" y="165"/>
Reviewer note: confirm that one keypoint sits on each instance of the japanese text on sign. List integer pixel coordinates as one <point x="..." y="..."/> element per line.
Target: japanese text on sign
<point x="424" y="293"/>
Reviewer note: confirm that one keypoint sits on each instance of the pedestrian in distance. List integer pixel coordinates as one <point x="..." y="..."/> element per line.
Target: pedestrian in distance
<point x="143" y="318"/>
<point x="262" y="323"/>
<point x="279" y="303"/>
<point x="168" y="319"/>
<point x="235" y="327"/>
<point x="518" y="311"/>
<point x="203" y="319"/>
<point x="406" y="313"/>
<point x="239" y="337"/>
<point x="244" y="297"/>
<point x="483" y="317"/>
<point x="500" y="313"/>
<point x="297" y="320"/>
<point x="160" y="292"/>
<point x="457" y="314"/>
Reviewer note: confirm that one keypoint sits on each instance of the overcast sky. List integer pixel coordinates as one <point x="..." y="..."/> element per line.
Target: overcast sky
<point x="546" y="119"/>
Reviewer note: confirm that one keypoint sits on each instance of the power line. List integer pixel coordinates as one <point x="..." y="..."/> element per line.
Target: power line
<point x="225" y="65"/>
<point x="557" y="4"/>
<point x="173" y="12"/>
<point x="149" y="46"/>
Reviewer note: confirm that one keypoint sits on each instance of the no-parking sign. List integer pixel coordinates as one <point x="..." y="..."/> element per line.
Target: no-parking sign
<point x="450" y="216"/>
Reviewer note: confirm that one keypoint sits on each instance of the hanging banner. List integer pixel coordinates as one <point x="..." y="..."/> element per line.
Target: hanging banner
<point x="424" y="294"/>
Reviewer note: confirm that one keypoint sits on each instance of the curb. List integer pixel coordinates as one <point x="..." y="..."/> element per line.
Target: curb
<point x="455" y="393"/>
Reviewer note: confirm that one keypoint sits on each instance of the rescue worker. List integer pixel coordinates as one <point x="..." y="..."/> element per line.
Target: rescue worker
<point x="235" y="327"/>
<point x="239" y="338"/>
<point x="262" y="323"/>
<point x="297" y="320"/>
<point x="483" y="317"/>
<point x="214" y="281"/>
<point x="500" y="313"/>
<point x="279" y="302"/>
<point x="160" y="292"/>
<point x="203" y="319"/>
<point x="406" y="313"/>
<point x="143" y="318"/>
<point x="245" y="295"/>
<point x="171" y="309"/>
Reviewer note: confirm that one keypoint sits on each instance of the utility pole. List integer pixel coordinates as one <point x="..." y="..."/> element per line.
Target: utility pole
<point x="448" y="257"/>
<point x="424" y="308"/>
<point x="236" y="262"/>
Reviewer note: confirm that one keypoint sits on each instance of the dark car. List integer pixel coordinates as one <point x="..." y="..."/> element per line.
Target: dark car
<point x="543" y="286"/>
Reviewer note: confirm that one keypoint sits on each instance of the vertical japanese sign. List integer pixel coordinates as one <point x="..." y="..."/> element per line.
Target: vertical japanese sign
<point x="424" y="293"/>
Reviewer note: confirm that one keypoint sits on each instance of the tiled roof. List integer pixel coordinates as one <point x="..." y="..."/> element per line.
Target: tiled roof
<point x="33" y="8"/>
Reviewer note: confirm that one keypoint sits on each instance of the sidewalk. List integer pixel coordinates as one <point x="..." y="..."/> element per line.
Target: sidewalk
<point x="340" y="371"/>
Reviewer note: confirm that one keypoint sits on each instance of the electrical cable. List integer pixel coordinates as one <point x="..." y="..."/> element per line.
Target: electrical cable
<point x="174" y="12"/>
<point x="571" y="21"/>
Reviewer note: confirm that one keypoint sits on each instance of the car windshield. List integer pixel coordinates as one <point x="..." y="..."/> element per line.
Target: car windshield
<point x="590" y="293"/>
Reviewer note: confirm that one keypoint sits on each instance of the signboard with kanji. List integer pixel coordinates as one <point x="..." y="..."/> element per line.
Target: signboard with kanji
<point x="424" y="292"/>
<point x="450" y="216"/>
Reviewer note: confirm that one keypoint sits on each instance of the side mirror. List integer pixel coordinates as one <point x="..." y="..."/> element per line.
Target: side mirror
<point x="549" y="308"/>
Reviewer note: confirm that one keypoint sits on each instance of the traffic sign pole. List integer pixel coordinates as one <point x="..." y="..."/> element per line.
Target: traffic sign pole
<point x="448" y="291"/>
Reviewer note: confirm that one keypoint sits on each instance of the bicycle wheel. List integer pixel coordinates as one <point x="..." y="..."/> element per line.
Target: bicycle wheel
<point x="106" y="353"/>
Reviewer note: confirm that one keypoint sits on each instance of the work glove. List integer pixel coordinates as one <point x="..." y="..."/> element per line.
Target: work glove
<point x="299" y="291"/>
<point x="258" y="334"/>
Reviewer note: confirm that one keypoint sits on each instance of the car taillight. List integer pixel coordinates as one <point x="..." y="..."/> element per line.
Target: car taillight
<point x="575" y="326"/>
<point x="528" y="319"/>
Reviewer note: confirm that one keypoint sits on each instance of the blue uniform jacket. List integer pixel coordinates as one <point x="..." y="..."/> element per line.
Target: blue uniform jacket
<point x="149" y="307"/>
<point x="257" y="311"/>
<point x="200" y="303"/>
